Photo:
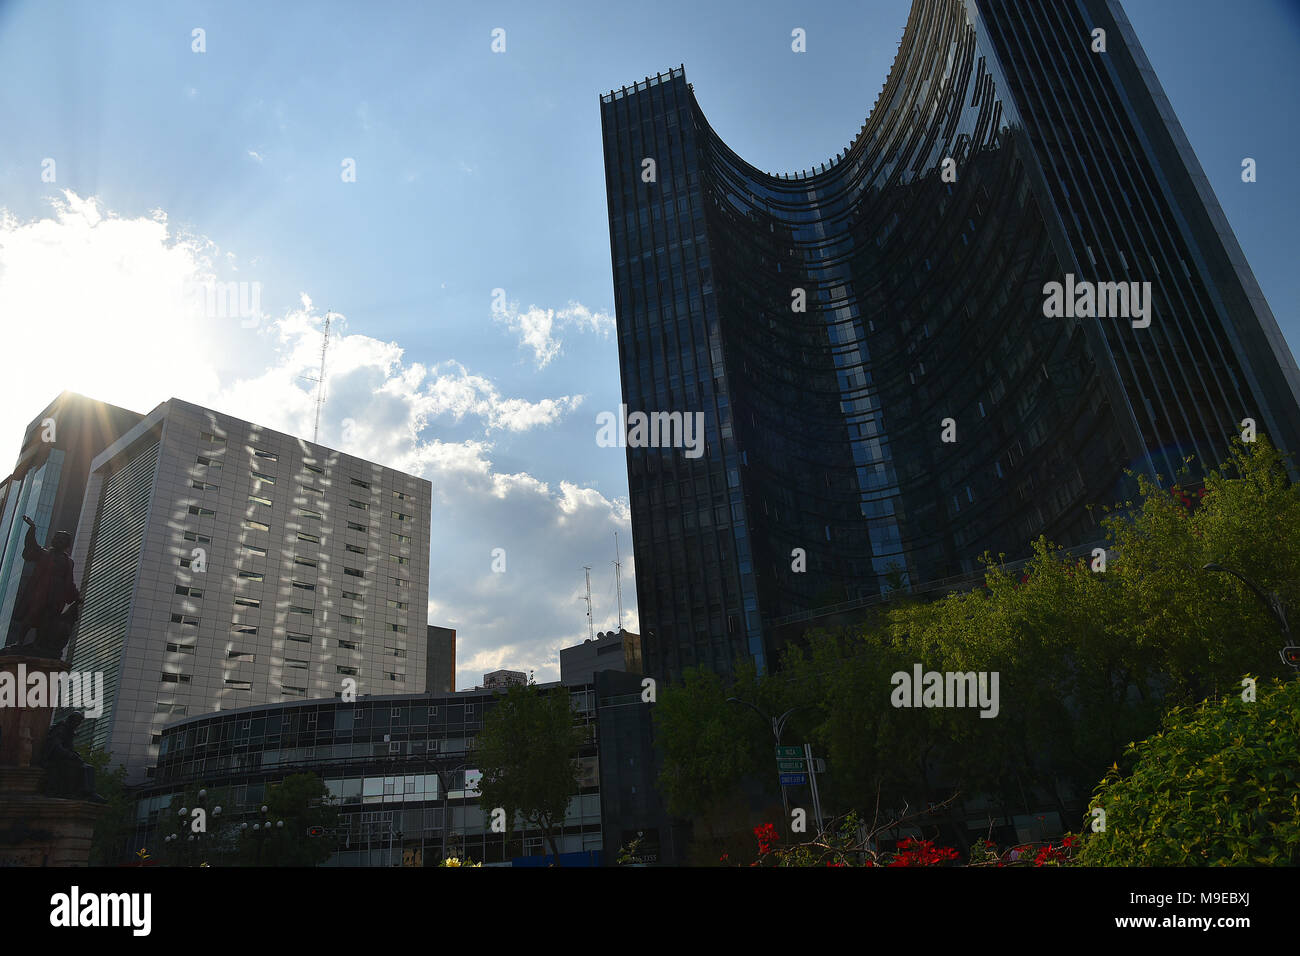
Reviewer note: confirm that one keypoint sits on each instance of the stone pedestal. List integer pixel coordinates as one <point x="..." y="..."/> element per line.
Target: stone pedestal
<point x="35" y="830"/>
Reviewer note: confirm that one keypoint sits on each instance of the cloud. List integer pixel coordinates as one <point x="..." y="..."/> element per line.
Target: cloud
<point x="98" y="305"/>
<point x="540" y="329"/>
<point x="256" y="156"/>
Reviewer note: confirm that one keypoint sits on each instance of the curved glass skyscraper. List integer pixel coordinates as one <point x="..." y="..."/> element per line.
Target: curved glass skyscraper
<point x="885" y="393"/>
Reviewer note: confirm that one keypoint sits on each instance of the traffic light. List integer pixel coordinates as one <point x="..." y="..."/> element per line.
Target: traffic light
<point x="315" y="831"/>
<point x="1291" y="655"/>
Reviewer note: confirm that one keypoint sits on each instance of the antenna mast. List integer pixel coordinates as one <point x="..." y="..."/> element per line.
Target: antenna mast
<point x="618" y="579"/>
<point x="320" y="382"/>
<point x="591" y="627"/>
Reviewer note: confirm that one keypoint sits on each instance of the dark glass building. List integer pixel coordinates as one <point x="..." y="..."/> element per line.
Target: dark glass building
<point x="883" y="394"/>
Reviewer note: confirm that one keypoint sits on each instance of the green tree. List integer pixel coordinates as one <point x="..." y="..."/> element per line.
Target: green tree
<point x="303" y="802"/>
<point x="528" y="755"/>
<point x="1217" y="786"/>
<point x="116" y="823"/>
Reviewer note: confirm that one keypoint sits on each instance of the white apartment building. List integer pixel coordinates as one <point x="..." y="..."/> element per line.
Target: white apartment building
<point x="223" y="565"/>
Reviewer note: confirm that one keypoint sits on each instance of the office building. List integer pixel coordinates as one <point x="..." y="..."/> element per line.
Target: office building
<point x="440" y="660"/>
<point x="611" y="651"/>
<point x="49" y="481"/>
<point x="401" y="771"/>
<point x="224" y="564"/>
<point x="887" y="385"/>
<point x="504" y="679"/>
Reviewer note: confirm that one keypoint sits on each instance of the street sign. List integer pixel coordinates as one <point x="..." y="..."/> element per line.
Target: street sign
<point x="789" y="753"/>
<point x="790" y="765"/>
<point x="793" y="779"/>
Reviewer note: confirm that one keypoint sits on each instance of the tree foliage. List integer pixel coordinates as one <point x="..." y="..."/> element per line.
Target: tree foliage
<point x="528" y="755"/>
<point x="1217" y="786"/>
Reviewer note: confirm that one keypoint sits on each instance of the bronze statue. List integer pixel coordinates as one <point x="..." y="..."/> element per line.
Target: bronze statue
<point x="66" y="774"/>
<point x="50" y="602"/>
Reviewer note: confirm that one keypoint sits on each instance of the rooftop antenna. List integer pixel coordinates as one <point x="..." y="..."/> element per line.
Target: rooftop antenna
<point x="618" y="579"/>
<point x="320" y="382"/>
<point x="591" y="628"/>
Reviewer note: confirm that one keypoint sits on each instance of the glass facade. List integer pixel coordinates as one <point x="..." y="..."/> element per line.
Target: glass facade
<point x="883" y="397"/>
<point x="385" y="761"/>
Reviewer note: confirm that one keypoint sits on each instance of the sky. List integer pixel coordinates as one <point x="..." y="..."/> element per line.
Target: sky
<point x="445" y="203"/>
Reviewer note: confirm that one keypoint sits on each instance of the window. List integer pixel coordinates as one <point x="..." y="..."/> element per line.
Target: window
<point x="358" y="504"/>
<point x="208" y="462"/>
<point x="185" y="621"/>
<point x="392" y="676"/>
<point x="313" y="515"/>
<point x="311" y="490"/>
<point x="400" y="605"/>
<point x="204" y="512"/>
<point x="403" y="538"/>
<point x="251" y="575"/>
<point x="354" y="572"/>
<point x="252" y="549"/>
<point x="398" y="559"/>
<point x="399" y="628"/>
<point x="248" y="602"/>
<point x="175" y="678"/>
<point x="265" y="455"/>
<point x="399" y="582"/>
<point x="340" y="669"/>
<point x="401" y="497"/>
<point x="298" y="636"/>
<point x="353" y="526"/>
<point x="259" y="500"/>
<point x="306" y="562"/>
<point x="295" y="609"/>
<point x="303" y="536"/>
<point x="348" y="645"/>
<point x="355" y="549"/>
<point x="203" y="485"/>
<point x="200" y="538"/>
<point x="352" y="595"/>
<point x="304" y="586"/>
<point x="244" y="628"/>
<point x="188" y="591"/>
<point x="351" y="619"/>
<point x="395" y="651"/>
<point x="257" y="525"/>
<point x="211" y="438"/>
<point x="180" y="648"/>
<point x="313" y="469"/>
<point x="244" y="657"/>
<point x="269" y="479"/>
<point x="239" y="684"/>
<point x="294" y="691"/>
<point x="295" y="664"/>
<point x="361" y="484"/>
<point x="397" y="515"/>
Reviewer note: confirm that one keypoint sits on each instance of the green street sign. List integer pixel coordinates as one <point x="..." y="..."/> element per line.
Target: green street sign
<point x="789" y="753"/>
<point x="790" y="765"/>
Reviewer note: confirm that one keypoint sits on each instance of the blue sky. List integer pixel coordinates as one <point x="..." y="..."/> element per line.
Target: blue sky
<point x="475" y="171"/>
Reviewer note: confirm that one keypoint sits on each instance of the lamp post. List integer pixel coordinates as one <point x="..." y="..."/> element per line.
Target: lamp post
<point x="195" y="839"/>
<point x="260" y="830"/>
<point x="1290" y="654"/>
<point x="778" y="726"/>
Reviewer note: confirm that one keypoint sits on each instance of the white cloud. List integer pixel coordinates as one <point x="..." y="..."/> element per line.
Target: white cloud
<point x="256" y="156"/>
<point x="95" y="303"/>
<point x="541" y="329"/>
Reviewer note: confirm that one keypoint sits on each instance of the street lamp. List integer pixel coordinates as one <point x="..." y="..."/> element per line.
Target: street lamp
<point x="195" y="838"/>
<point x="778" y="725"/>
<point x="260" y="830"/>
<point x="1290" y="654"/>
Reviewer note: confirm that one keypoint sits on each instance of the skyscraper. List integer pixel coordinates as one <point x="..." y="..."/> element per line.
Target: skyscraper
<point x="49" y="481"/>
<point x="224" y="565"/>
<point x="887" y="387"/>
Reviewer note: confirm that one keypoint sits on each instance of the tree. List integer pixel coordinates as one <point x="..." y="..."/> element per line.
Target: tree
<point x="116" y="823"/>
<point x="1216" y="787"/>
<point x="709" y="746"/>
<point x="528" y="755"/>
<point x="303" y="802"/>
